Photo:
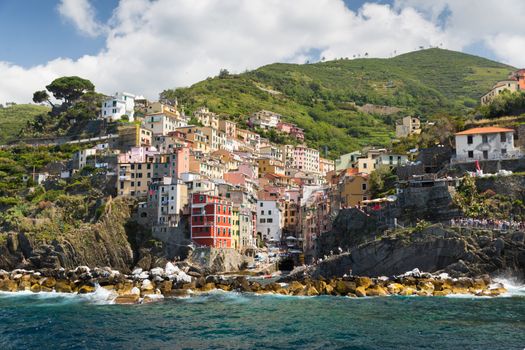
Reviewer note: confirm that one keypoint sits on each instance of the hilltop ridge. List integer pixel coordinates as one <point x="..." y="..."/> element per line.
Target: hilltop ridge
<point x="323" y="97"/>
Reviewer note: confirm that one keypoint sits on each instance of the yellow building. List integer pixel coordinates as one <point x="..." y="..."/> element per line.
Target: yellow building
<point x="509" y="85"/>
<point x="268" y="165"/>
<point x="366" y="165"/>
<point x="132" y="135"/>
<point x="236" y="235"/>
<point x="291" y="216"/>
<point x="353" y="190"/>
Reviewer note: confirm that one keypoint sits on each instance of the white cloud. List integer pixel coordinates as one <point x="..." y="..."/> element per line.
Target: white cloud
<point x="495" y="23"/>
<point x="153" y="45"/>
<point x="82" y="15"/>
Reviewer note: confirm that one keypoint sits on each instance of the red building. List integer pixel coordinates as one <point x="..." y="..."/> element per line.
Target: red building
<point x="211" y="220"/>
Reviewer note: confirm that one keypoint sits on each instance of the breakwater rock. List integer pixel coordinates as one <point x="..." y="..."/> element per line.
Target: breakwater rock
<point x="174" y="281"/>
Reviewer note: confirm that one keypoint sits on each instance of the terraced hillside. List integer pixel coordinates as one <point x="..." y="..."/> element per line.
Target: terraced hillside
<point x="323" y="98"/>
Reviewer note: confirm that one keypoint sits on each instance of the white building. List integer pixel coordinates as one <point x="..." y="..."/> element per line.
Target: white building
<point x="162" y="123"/>
<point x="489" y="143"/>
<point x="509" y="85"/>
<point x="167" y="200"/>
<point x="114" y="107"/>
<point x="207" y="118"/>
<point x="265" y="119"/>
<point x="269" y="221"/>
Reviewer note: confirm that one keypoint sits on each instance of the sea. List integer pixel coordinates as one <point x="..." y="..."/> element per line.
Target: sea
<point x="228" y="320"/>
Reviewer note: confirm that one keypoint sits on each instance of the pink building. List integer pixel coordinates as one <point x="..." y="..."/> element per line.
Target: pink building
<point x="285" y="127"/>
<point x="180" y="161"/>
<point x="138" y="155"/>
<point x="306" y="159"/>
<point x="297" y="132"/>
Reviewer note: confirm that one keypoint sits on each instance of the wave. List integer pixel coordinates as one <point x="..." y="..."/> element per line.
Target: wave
<point x="100" y="296"/>
<point x="515" y="288"/>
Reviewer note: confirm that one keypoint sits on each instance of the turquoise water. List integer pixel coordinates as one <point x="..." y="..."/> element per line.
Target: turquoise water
<point x="233" y="321"/>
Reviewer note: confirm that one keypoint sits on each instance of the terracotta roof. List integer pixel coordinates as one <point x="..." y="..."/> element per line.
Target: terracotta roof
<point x="487" y="130"/>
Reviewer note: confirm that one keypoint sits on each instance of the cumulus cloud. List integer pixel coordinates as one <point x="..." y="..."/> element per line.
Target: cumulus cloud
<point x="82" y="15"/>
<point x="153" y="45"/>
<point x="495" y="24"/>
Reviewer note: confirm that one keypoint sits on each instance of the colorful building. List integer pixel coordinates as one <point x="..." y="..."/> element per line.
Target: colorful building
<point x="211" y="221"/>
<point x="306" y="158"/>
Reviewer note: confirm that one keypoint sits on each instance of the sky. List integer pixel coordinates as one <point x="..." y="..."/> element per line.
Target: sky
<point x="146" y="46"/>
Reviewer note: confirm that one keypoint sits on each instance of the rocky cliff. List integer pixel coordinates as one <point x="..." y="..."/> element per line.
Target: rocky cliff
<point x="111" y="241"/>
<point x="459" y="252"/>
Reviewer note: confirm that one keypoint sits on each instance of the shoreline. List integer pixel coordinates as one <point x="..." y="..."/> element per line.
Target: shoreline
<point x="172" y="281"/>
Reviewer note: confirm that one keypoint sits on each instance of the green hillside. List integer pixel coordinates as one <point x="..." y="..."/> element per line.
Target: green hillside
<point x="13" y="119"/>
<point x="320" y="97"/>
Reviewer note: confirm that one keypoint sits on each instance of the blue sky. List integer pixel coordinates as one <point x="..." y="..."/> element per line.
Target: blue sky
<point x="148" y="46"/>
<point x="40" y="34"/>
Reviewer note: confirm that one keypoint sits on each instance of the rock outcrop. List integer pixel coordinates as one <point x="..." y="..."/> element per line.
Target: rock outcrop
<point x="211" y="260"/>
<point x="103" y="243"/>
<point x="459" y="252"/>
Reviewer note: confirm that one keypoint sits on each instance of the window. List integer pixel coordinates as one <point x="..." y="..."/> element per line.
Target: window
<point x="470" y="139"/>
<point x="364" y="165"/>
<point x="269" y="220"/>
<point x="502" y="137"/>
<point x="262" y="221"/>
<point x="363" y="187"/>
<point x="503" y="151"/>
<point x="471" y="154"/>
<point x="261" y="204"/>
<point x="485" y="154"/>
<point x="484" y="138"/>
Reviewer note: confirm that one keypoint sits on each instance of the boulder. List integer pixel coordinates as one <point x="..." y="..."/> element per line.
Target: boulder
<point x="442" y="293"/>
<point x="224" y="287"/>
<point x="407" y="291"/>
<point x="364" y="282"/>
<point x="360" y="291"/>
<point x="86" y="288"/>
<point x="8" y="286"/>
<point x="127" y="299"/>
<point x="294" y="287"/>
<point x="311" y="291"/>
<point x="147" y="285"/>
<point x="345" y="287"/>
<point x="395" y="288"/>
<point x="376" y="291"/>
<point x="165" y="287"/>
<point x="24" y="285"/>
<point x="152" y="298"/>
<point x="63" y="286"/>
<point x="35" y="288"/>
<point x="49" y="282"/>
<point x="208" y="286"/>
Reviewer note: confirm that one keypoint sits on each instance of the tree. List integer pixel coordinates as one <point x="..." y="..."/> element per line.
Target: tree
<point x="223" y="73"/>
<point x="70" y="89"/>
<point x="382" y="181"/>
<point x="41" y="96"/>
